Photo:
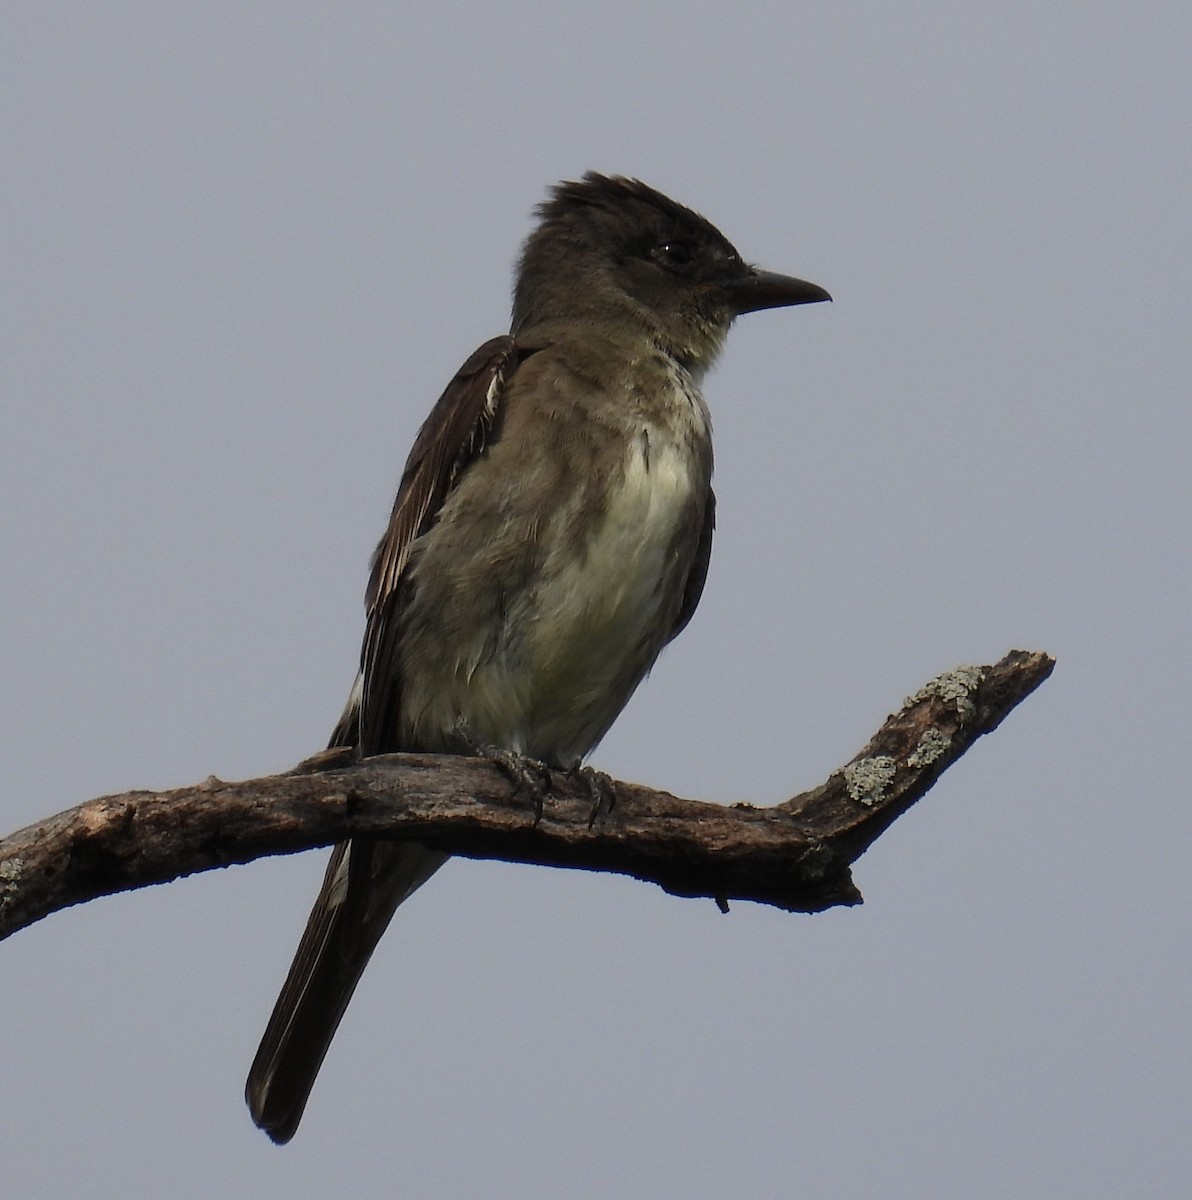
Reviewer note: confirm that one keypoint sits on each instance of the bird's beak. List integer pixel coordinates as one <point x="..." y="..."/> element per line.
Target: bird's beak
<point x="766" y="289"/>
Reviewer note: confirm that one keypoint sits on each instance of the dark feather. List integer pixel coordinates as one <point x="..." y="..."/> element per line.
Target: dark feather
<point x="698" y="574"/>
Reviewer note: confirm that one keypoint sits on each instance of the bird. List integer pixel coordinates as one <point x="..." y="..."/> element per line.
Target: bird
<point x="551" y="534"/>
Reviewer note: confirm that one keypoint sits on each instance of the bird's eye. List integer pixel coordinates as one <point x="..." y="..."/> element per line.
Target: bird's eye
<point x="675" y="251"/>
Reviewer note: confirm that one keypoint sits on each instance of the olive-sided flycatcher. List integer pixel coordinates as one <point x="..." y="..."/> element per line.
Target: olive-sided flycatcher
<point x="550" y="536"/>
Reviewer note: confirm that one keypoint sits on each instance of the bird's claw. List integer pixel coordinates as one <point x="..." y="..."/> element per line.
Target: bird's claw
<point x="601" y="790"/>
<point x="527" y="775"/>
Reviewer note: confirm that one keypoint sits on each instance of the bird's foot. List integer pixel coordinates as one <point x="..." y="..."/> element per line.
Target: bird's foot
<point x="528" y="775"/>
<point x="600" y="788"/>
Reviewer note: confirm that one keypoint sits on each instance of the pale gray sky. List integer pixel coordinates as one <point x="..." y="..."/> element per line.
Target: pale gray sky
<point x="245" y="245"/>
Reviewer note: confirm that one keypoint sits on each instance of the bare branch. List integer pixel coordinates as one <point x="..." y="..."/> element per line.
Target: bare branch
<point x="794" y="855"/>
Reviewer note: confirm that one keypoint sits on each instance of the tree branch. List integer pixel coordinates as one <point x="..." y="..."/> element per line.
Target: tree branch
<point x="794" y="855"/>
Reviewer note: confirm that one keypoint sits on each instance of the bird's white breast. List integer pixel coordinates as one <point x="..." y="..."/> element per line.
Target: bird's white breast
<point x="576" y="638"/>
<point x="628" y="557"/>
<point x="612" y="597"/>
<point x="602" y="618"/>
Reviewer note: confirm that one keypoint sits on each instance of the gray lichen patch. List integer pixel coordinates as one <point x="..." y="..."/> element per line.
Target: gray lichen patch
<point x="954" y="687"/>
<point x="10" y="876"/>
<point x="868" y="778"/>
<point x="932" y="745"/>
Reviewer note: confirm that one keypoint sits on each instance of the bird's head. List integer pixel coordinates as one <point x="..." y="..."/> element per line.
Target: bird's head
<point x="612" y="251"/>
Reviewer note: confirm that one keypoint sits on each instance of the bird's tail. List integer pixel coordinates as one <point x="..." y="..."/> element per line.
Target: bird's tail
<point x="365" y="882"/>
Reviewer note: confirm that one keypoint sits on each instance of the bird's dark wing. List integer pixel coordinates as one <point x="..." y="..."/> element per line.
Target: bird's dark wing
<point x="698" y="574"/>
<point x="366" y="879"/>
<point x="454" y="434"/>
